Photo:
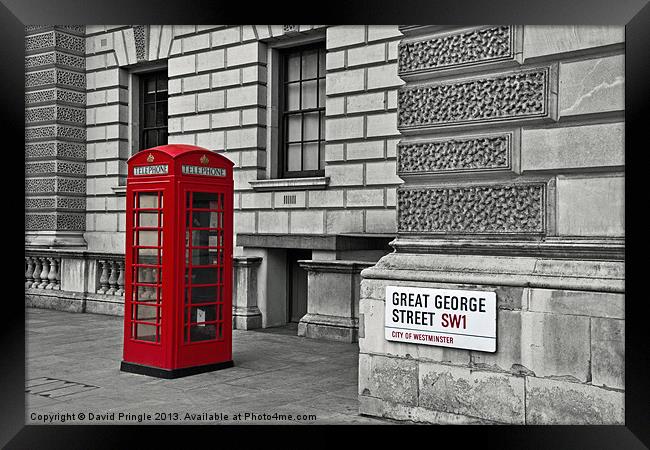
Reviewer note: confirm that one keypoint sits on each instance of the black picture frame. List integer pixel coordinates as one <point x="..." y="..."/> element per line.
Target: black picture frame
<point x="634" y="14"/>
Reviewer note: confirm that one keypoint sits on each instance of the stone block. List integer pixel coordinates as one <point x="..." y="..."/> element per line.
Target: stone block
<point x="182" y="104"/>
<point x="344" y="221"/>
<point x="542" y="40"/>
<point x="307" y="222"/>
<point x="243" y="96"/>
<point x="225" y="36"/>
<point x="209" y="101"/>
<point x="345" y="174"/>
<point x="196" y="83"/>
<point x="391" y="379"/>
<point x="590" y="206"/>
<point x="459" y="390"/>
<point x="256" y="200"/>
<point x="73" y="273"/>
<point x="377" y="32"/>
<point x="343" y="128"/>
<point x="382" y="172"/>
<point x="509" y="346"/>
<point x="334" y="106"/>
<point x="601" y="145"/>
<point x="290" y="199"/>
<point x="211" y="141"/>
<point x="193" y="43"/>
<point x="373" y="101"/>
<point x="608" y="352"/>
<point x="345" y="35"/>
<point x="381" y="221"/>
<point x="554" y="402"/>
<point x="367" y="54"/>
<point x="106" y="222"/>
<point x="244" y="222"/>
<point x="382" y="125"/>
<point x="242" y="138"/>
<point x="211" y="60"/>
<point x="244" y="54"/>
<point x="274" y="222"/>
<point x="371" y="320"/>
<point x="225" y="78"/>
<point x="181" y="65"/>
<point x="365" y="150"/>
<point x="326" y="198"/>
<point x="198" y="122"/>
<point x="391" y="197"/>
<point x="335" y="60"/>
<point x="384" y="76"/>
<point x="365" y="197"/>
<point x="592" y="86"/>
<point x="334" y="152"/>
<point x="555" y="345"/>
<point x="225" y="119"/>
<point x="345" y="81"/>
<point x="584" y="303"/>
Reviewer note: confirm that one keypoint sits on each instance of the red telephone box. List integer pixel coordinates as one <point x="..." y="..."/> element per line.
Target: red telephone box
<point x="178" y="290"/>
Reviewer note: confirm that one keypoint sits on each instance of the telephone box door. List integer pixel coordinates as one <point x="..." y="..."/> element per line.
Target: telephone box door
<point x="206" y="253"/>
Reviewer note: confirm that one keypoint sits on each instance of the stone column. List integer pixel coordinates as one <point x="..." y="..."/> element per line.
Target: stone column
<point x="332" y="300"/>
<point x="55" y="135"/>
<point x="245" y="313"/>
<point x="512" y="161"/>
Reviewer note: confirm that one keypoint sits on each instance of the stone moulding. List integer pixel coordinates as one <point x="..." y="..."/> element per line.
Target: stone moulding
<point x="480" y="209"/>
<point x="458" y="154"/>
<point x="514" y="95"/>
<point x="460" y="49"/>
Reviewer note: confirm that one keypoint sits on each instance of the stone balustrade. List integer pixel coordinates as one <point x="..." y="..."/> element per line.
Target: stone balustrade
<point x="75" y="280"/>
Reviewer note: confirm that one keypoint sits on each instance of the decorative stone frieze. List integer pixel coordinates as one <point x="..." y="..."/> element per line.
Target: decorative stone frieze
<point x="488" y="152"/>
<point x="483" y="209"/>
<point x="455" y="50"/>
<point x="514" y="95"/>
<point x="140" y="33"/>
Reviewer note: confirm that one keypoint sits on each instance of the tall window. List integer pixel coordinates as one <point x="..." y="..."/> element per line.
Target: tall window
<point x="153" y="109"/>
<point x="302" y="146"/>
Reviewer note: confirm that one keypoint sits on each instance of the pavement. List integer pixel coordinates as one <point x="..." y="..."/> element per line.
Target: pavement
<point x="73" y="377"/>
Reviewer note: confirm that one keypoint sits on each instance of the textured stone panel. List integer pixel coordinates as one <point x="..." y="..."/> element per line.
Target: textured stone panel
<point x="515" y="208"/>
<point x="140" y="33"/>
<point x="55" y="131"/>
<point x="553" y="402"/>
<point x="459" y="154"/>
<point x="51" y="76"/>
<point x="55" y="113"/>
<point x="517" y="95"/>
<point x="53" y="149"/>
<point x="40" y="203"/>
<point x="608" y="352"/>
<point x="391" y="379"/>
<point x="473" y="47"/>
<point x="55" y="94"/>
<point x="63" y="41"/>
<point x="36" y="222"/>
<point x="63" y="59"/>
<point x="459" y="390"/>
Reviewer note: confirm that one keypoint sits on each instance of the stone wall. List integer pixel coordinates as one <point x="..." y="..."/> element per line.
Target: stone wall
<point x="512" y="153"/>
<point x="221" y="83"/>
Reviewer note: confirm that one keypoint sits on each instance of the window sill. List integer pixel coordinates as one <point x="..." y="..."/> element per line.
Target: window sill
<point x="290" y="184"/>
<point x="119" y="190"/>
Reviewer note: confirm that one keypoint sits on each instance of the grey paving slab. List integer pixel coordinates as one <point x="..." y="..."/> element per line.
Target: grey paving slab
<point x="276" y="372"/>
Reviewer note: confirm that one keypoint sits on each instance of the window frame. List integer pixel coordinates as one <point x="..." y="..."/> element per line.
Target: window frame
<point x="143" y="77"/>
<point x="283" y="114"/>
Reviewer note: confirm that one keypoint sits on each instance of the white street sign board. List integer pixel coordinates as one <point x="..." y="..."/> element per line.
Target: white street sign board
<point x="443" y="317"/>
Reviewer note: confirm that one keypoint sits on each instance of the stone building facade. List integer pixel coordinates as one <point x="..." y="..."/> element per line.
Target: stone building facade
<point x="485" y="157"/>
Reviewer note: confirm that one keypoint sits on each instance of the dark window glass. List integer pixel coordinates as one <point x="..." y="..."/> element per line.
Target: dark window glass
<point x="153" y="109"/>
<point x="303" y="112"/>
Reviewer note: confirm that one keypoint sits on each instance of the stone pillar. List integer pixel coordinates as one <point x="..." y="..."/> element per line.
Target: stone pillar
<point x="512" y="161"/>
<point x="332" y="300"/>
<point x="245" y="313"/>
<point x="55" y="135"/>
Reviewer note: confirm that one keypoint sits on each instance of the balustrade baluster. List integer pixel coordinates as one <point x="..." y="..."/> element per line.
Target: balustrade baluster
<point x="51" y="276"/>
<point x="103" y="278"/>
<point x="120" y="279"/>
<point x="57" y="274"/>
<point x="37" y="272"/>
<point x="44" y="273"/>
<point x="112" y="280"/>
<point x="29" y="274"/>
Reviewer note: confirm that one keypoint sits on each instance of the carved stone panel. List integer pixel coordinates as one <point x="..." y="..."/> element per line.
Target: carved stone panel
<point x="483" y="209"/>
<point x="461" y="49"/>
<point x="514" y="95"/>
<point x="486" y="152"/>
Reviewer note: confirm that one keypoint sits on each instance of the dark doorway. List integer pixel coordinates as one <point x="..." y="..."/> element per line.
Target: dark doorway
<point x="296" y="285"/>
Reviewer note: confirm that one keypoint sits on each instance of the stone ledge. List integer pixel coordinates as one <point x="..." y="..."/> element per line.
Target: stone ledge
<point x="336" y="266"/>
<point x="319" y="326"/>
<point x="316" y="241"/>
<point x="290" y="184"/>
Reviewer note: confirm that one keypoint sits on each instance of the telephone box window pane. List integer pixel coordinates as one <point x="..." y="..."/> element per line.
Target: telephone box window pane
<point x="145" y="332"/>
<point x="148" y="219"/>
<point x="147" y="275"/>
<point x="205" y="219"/>
<point x="147" y="238"/>
<point x="204" y="275"/>
<point x="204" y="294"/>
<point x="203" y="332"/>
<point x="205" y="200"/>
<point x="146" y="313"/>
<point x="146" y="294"/>
<point x="148" y="200"/>
<point x="148" y="256"/>
<point x="198" y="314"/>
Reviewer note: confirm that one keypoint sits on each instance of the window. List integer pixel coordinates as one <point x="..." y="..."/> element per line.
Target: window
<point x="153" y="109"/>
<point x="302" y="103"/>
